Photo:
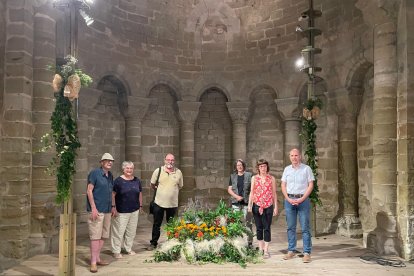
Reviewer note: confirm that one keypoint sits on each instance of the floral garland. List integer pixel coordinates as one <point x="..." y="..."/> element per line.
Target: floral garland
<point x="202" y="236"/>
<point x="311" y="112"/>
<point x="64" y="131"/>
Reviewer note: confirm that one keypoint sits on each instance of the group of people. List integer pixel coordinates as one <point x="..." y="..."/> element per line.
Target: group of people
<point x="120" y="200"/>
<point x="257" y="195"/>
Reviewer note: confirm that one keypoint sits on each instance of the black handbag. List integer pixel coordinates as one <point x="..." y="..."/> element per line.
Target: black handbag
<point x="152" y="203"/>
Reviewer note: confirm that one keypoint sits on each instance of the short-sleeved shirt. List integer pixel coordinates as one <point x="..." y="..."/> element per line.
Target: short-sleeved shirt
<point x="102" y="190"/>
<point x="127" y="194"/>
<point x="297" y="180"/>
<point x="168" y="186"/>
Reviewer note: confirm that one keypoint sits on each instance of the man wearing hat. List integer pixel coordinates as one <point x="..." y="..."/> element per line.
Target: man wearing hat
<point x="100" y="208"/>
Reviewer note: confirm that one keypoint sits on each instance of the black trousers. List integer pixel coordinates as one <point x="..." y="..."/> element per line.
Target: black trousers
<point x="263" y="222"/>
<point x="158" y="218"/>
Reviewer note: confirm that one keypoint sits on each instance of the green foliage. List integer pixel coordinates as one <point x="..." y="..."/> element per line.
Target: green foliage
<point x="312" y="102"/>
<point x="172" y="255"/>
<point x="309" y="137"/>
<point x="64" y="132"/>
<point x="218" y="232"/>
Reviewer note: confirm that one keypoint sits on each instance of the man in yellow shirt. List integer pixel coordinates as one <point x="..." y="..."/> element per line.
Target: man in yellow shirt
<point x="166" y="198"/>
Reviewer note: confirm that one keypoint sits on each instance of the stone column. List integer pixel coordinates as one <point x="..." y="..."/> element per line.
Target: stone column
<point x="289" y="111"/>
<point x="239" y="112"/>
<point x="347" y="106"/>
<point x="16" y="130"/>
<point x="137" y="108"/>
<point x="88" y="99"/>
<point x="384" y="239"/>
<point x="405" y="128"/>
<point x="43" y="215"/>
<point x="188" y="114"/>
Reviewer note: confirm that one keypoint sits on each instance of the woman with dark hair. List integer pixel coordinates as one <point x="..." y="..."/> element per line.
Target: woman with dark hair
<point x="239" y="189"/>
<point x="263" y="204"/>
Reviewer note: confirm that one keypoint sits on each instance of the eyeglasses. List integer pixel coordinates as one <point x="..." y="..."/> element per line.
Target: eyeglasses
<point x="170" y="160"/>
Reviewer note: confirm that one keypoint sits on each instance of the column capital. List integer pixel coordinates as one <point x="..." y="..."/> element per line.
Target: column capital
<point x="188" y="111"/>
<point x="239" y="111"/>
<point x="344" y="101"/>
<point x="288" y="108"/>
<point x="137" y="107"/>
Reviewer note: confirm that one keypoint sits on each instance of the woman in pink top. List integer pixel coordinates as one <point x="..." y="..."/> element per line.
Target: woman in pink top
<point x="263" y="204"/>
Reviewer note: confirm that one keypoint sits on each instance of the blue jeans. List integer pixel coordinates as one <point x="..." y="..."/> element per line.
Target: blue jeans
<point x="292" y="213"/>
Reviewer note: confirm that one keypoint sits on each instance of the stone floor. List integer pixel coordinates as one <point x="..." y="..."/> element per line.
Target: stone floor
<point x="332" y="255"/>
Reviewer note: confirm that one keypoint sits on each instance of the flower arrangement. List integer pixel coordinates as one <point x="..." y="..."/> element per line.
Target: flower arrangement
<point x="64" y="132"/>
<point x="311" y="112"/>
<point x="216" y="236"/>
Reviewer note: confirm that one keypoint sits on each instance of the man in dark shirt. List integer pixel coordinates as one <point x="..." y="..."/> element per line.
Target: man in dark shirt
<point x="99" y="205"/>
<point x="239" y="189"/>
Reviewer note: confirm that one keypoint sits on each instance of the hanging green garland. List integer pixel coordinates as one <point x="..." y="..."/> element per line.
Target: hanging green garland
<point x="64" y="131"/>
<point x="311" y="111"/>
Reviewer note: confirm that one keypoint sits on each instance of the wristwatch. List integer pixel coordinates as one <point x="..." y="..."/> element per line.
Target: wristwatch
<point x="113" y="206"/>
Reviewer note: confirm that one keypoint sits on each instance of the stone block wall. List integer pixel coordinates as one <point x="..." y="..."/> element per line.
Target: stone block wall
<point x="213" y="164"/>
<point x="160" y="134"/>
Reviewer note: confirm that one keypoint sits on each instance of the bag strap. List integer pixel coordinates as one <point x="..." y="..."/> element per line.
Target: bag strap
<point x="156" y="182"/>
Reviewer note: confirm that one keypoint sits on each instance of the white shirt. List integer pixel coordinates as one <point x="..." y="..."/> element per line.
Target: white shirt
<point x="297" y="179"/>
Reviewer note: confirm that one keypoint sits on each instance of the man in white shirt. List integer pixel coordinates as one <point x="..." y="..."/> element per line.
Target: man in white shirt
<point x="297" y="185"/>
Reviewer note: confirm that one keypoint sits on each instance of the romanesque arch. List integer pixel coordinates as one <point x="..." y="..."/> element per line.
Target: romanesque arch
<point x="160" y="129"/>
<point x="265" y="130"/>
<point x="213" y="147"/>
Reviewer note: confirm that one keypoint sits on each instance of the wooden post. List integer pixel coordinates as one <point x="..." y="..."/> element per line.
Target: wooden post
<point x="67" y="240"/>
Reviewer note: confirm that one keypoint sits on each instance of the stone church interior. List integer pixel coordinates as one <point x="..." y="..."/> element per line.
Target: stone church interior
<point x="212" y="81"/>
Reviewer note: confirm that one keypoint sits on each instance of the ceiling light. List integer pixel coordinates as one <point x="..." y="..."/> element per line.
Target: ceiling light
<point x="88" y="20"/>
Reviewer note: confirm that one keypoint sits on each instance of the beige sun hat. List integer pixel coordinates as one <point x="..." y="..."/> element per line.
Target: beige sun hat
<point x="107" y="156"/>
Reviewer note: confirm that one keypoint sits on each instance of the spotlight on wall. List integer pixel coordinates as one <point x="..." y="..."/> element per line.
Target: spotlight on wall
<point x="89" y="2"/>
<point x="88" y="20"/>
<point x="299" y="29"/>
<point x="300" y="62"/>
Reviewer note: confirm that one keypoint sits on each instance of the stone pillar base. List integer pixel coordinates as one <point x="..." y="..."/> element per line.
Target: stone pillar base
<point x="383" y="243"/>
<point x="349" y="226"/>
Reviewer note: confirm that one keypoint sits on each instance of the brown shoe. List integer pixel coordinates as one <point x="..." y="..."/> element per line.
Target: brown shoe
<point x="289" y="255"/>
<point x="306" y="258"/>
<point x="93" y="268"/>
<point x="102" y="263"/>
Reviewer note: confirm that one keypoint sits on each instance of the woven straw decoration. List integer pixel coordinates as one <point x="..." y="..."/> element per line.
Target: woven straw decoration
<point x="57" y="83"/>
<point x="72" y="88"/>
<point x="315" y="112"/>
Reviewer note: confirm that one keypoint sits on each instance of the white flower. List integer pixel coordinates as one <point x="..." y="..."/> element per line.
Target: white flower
<point x="223" y="221"/>
<point x="188" y="251"/>
<point x="240" y="243"/>
<point x="216" y="244"/>
<point x="168" y="245"/>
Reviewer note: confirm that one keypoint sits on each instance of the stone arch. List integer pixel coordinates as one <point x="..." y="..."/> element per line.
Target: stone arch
<point x="203" y="84"/>
<point x="213" y="146"/>
<point x="357" y="70"/>
<point x="160" y="129"/>
<point x="265" y="130"/>
<point x="155" y="78"/>
<point x="115" y="85"/>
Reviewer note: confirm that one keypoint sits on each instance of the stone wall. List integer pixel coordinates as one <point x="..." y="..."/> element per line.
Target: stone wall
<point x="190" y="77"/>
<point x="213" y="163"/>
<point x="365" y="158"/>
<point x="160" y="134"/>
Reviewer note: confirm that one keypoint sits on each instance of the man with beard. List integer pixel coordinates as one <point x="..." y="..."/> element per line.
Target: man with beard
<point x="166" y="198"/>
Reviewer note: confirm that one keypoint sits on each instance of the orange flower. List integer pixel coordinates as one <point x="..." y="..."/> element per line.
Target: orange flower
<point x="200" y="234"/>
<point x="176" y="235"/>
